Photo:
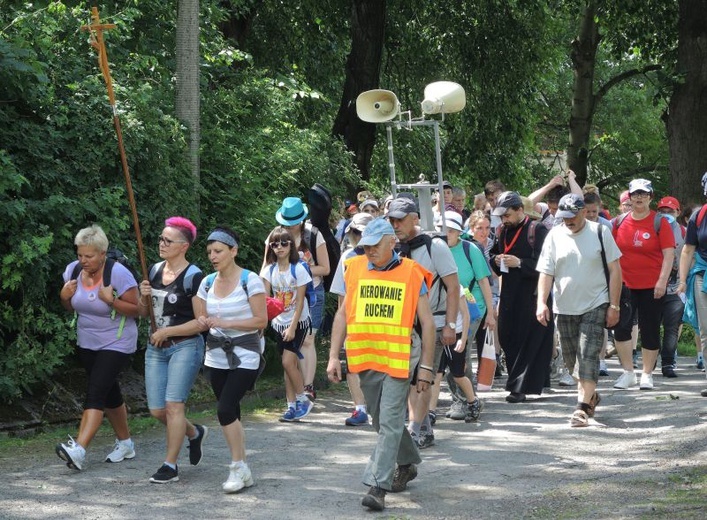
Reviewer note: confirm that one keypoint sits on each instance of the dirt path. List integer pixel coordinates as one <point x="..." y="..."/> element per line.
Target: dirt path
<point x="645" y="456"/>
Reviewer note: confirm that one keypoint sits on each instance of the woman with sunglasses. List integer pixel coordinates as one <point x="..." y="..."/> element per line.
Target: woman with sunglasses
<point x="311" y="247"/>
<point x="287" y="279"/>
<point x="231" y="305"/>
<point x="176" y="349"/>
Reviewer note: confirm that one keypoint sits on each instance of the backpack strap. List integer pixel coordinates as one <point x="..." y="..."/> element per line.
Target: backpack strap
<point x="532" y="224"/>
<point x="154" y="270"/>
<point x="209" y="281"/>
<point x="244" y="281"/>
<point x="701" y="215"/>
<point x="312" y="243"/>
<point x="465" y="246"/>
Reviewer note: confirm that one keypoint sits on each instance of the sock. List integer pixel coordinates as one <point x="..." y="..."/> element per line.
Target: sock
<point x="361" y="408"/>
<point x="173" y="466"/>
<point x="585" y="407"/>
<point x="426" y="423"/>
<point x="302" y="397"/>
<point x="196" y="435"/>
<point x="127" y="442"/>
<point x="414" y="427"/>
<point x="237" y="463"/>
<point x="291" y="404"/>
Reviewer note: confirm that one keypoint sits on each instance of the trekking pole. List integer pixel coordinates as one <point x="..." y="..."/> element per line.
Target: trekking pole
<point x="96" y="29"/>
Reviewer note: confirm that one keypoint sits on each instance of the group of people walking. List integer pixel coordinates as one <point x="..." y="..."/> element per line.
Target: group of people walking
<point x="410" y="306"/>
<point x="216" y="321"/>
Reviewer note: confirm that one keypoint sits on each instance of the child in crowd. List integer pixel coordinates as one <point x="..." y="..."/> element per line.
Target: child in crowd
<point x="286" y="278"/>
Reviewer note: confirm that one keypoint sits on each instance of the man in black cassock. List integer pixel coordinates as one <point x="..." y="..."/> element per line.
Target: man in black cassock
<point x="526" y="343"/>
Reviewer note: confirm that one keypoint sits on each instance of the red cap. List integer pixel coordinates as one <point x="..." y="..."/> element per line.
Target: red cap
<point x="669" y="202"/>
<point x="624" y="197"/>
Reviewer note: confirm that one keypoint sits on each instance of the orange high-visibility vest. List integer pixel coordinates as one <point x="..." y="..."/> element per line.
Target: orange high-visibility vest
<point x="380" y="311"/>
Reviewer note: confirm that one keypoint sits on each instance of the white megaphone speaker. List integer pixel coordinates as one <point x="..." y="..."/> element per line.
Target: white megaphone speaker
<point x="443" y="97"/>
<point x="377" y="106"/>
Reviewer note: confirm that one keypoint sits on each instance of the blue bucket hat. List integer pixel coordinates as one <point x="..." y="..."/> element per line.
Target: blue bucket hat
<point x="292" y="212"/>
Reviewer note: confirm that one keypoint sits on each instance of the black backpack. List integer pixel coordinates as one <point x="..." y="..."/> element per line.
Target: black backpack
<point x="319" y="200"/>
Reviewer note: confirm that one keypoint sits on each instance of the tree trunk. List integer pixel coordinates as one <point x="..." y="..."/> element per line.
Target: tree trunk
<point x="188" y="96"/>
<point x="686" y="121"/>
<point x="362" y="73"/>
<point x="583" y="55"/>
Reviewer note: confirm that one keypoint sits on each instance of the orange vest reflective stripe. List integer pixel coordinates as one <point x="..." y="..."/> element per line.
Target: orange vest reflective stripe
<point x="380" y="311"/>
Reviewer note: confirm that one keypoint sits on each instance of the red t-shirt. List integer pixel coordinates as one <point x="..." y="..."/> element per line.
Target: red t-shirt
<point x="641" y="250"/>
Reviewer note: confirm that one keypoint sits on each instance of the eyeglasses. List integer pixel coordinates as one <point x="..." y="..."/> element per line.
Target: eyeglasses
<point x="641" y="194"/>
<point x="168" y="242"/>
<point x="279" y="243"/>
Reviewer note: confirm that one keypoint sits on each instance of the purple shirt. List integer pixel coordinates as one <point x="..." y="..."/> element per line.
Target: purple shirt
<point x="96" y="330"/>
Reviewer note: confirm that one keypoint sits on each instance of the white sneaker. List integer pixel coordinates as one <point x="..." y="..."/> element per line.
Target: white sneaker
<point x="238" y="478"/>
<point x="72" y="453"/>
<point x="122" y="450"/>
<point x="566" y="379"/>
<point x="625" y="380"/>
<point x="646" y="381"/>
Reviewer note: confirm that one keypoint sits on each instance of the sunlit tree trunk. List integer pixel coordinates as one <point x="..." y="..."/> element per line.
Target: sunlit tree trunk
<point x="188" y="97"/>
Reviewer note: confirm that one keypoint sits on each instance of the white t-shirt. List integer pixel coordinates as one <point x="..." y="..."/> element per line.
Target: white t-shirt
<point x="235" y="306"/>
<point x="338" y="286"/>
<point x="574" y="260"/>
<point x="284" y="288"/>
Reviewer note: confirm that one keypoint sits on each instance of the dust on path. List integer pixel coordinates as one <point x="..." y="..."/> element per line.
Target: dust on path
<point x="519" y="461"/>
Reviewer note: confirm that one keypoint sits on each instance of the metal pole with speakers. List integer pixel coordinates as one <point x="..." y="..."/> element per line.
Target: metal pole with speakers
<point x="382" y="106"/>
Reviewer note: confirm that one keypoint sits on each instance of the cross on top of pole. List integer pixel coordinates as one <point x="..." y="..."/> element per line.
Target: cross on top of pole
<point x="96" y="28"/>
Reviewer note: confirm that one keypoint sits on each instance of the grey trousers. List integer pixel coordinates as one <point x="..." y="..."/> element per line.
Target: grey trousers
<point x="386" y="399"/>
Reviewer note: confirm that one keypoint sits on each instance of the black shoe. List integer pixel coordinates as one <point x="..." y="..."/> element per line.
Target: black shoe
<point x="374" y="499"/>
<point x="669" y="372"/>
<point x="165" y="474"/>
<point x="703" y="393"/>
<point x="195" y="453"/>
<point x="432" y="414"/>
<point x="403" y="474"/>
<point x="515" y="397"/>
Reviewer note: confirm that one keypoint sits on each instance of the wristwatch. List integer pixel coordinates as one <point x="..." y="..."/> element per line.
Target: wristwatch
<point x="452" y="325"/>
<point x="615" y="307"/>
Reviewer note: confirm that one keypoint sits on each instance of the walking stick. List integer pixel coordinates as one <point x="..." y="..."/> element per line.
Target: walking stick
<point x="96" y="29"/>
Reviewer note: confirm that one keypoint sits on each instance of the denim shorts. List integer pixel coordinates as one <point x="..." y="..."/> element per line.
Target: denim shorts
<point x="317" y="311"/>
<point x="170" y="371"/>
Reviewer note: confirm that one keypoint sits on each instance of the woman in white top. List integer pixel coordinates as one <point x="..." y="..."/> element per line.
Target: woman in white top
<point x="231" y="305"/>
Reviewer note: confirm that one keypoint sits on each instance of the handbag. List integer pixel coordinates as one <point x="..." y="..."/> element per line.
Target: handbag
<point x="275" y="307"/>
<point x="487" y="363"/>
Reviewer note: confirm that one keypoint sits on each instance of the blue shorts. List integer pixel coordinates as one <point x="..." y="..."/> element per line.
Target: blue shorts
<point x="171" y="371"/>
<point x="317" y="310"/>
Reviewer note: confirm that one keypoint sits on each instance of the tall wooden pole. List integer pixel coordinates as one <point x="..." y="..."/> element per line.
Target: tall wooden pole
<point x="96" y="29"/>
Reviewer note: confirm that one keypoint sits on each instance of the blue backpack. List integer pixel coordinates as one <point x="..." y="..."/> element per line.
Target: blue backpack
<point x="310" y="293"/>
<point x="244" y="281"/>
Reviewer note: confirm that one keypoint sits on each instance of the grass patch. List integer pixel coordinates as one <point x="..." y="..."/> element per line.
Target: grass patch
<point x="686" y="496"/>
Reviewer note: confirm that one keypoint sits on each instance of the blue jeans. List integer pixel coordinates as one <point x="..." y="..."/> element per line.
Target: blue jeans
<point x="170" y="371"/>
<point x="673" y="309"/>
<point x="317" y="310"/>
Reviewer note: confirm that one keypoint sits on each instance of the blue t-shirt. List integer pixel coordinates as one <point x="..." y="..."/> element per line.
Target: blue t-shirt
<point x="478" y="269"/>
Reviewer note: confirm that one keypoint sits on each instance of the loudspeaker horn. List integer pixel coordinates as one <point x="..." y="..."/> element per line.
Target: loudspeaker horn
<point x="377" y="106"/>
<point x="443" y="97"/>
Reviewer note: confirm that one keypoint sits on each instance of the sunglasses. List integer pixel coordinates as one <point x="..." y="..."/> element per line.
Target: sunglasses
<point x="168" y="242"/>
<point x="279" y="243"/>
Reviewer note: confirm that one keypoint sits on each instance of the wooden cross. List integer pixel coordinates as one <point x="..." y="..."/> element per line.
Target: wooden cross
<point x="96" y="28"/>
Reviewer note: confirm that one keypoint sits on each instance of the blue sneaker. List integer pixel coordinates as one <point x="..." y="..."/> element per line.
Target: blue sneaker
<point x="303" y="409"/>
<point x="289" y="415"/>
<point x="700" y="364"/>
<point x="357" y="418"/>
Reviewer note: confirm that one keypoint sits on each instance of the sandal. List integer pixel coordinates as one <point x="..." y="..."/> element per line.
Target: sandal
<point x="593" y="403"/>
<point x="579" y="419"/>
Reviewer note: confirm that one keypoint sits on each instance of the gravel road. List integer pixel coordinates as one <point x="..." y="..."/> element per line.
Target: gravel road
<point x="518" y="461"/>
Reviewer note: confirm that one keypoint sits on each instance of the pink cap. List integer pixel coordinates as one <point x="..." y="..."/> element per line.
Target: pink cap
<point x="624" y="197"/>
